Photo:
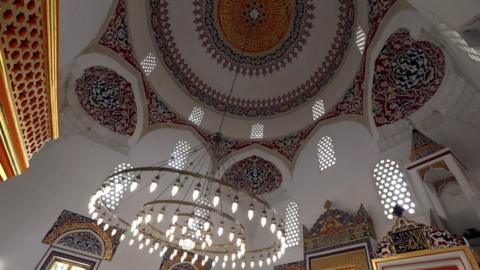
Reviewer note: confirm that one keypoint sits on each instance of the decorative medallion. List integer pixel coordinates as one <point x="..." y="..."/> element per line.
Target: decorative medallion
<point x="82" y="241"/>
<point x="255" y="175"/>
<point x="407" y="74"/>
<point x="254" y="37"/>
<point x="254" y="26"/>
<point x="233" y="59"/>
<point x="108" y="98"/>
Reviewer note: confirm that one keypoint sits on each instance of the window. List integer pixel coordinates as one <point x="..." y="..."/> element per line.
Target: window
<point x="318" y="110"/>
<point x="257" y="131"/>
<point x="117" y="186"/>
<point x="196" y="116"/>
<point x="392" y="187"/>
<point x="292" y="225"/>
<point x="61" y="264"/>
<point x="149" y="63"/>
<point x="360" y="39"/>
<point x="457" y="39"/>
<point x="326" y="153"/>
<point x="180" y="155"/>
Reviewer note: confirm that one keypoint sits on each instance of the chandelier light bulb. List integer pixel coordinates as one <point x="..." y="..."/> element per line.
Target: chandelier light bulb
<point x="231" y="236"/>
<point x="279" y="254"/>
<point x="175" y="188"/>
<point x="195" y="257"/>
<point x="174" y="218"/>
<point x="234" y="265"/>
<point x="139" y="219"/>
<point x="171" y="238"/>
<point x="224" y="264"/>
<point x="140" y="237"/>
<point x="131" y="242"/>
<point x="174" y="253"/>
<point x="225" y="257"/>
<point x="279" y="234"/>
<point x="216" y="198"/>
<point x="94" y="215"/>
<point x="107" y="190"/>
<point x="122" y="237"/>
<point x="135" y="232"/>
<point x="164" y="250"/>
<point x="184" y="230"/>
<point x="173" y="228"/>
<point x="140" y="247"/>
<point x="216" y="259"/>
<point x="220" y="229"/>
<point x="184" y="256"/>
<point x="148" y="218"/>
<point x="239" y="242"/>
<point x="133" y="185"/>
<point x="106" y="226"/>
<point x="260" y="263"/>
<point x="204" y="262"/>
<point x="150" y="251"/>
<point x="99" y="221"/>
<point x="156" y="245"/>
<point x="243" y="265"/>
<point x="274" y="258"/>
<point x="209" y="242"/>
<point x="206" y="226"/>
<point x="147" y="241"/>
<point x="159" y="217"/>
<point x="213" y="264"/>
<point x="269" y="260"/>
<point x="114" y="231"/>
<point x="252" y="264"/>
<point x="153" y="186"/>
<point x="273" y="227"/>
<point x="234" y="257"/>
<point x="91" y="210"/>
<point x="204" y="245"/>
<point x="263" y="220"/>
<point x="235" y="204"/>
<point x="251" y="212"/>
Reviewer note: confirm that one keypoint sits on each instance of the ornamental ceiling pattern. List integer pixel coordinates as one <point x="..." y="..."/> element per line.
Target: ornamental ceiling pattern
<point x="205" y="93"/>
<point x="108" y="98"/>
<point x="407" y="74"/>
<point x="255" y="175"/>
<point x="254" y="38"/>
<point x="287" y="146"/>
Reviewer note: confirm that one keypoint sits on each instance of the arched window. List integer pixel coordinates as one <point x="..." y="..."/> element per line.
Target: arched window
<point x="196" y="116"/>
<point x="360" y="39"/>
<point x="257" y="131"/>
<point x="117" y="186"/>
<point x="149" y="63"/>
<point x="180" y="155"/>
<point x="318" y="109"/>
<point x="292" y="225"/>
<point x="326" y="153"/>
<point x="392" y="187"/>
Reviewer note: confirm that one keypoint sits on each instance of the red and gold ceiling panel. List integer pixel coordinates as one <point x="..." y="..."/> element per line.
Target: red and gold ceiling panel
<point x="28" y="67"/>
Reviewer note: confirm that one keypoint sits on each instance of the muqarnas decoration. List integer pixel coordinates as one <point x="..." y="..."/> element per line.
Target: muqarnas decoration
<point x="255" y="175"/>
<point x="81" y="233"/>
<point x="336" y="227"/>
<point x="409" y="236"/>
<point x="407" y="74"/>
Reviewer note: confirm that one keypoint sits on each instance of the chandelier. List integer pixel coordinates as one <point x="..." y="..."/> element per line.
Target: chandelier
<point x="185" y="209"/>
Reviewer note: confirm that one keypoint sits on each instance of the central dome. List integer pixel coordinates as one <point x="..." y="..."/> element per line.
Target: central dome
<point x="254" y="26"/>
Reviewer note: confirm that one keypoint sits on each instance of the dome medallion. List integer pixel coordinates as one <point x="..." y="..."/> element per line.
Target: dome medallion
<point x="254" y="27"/>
